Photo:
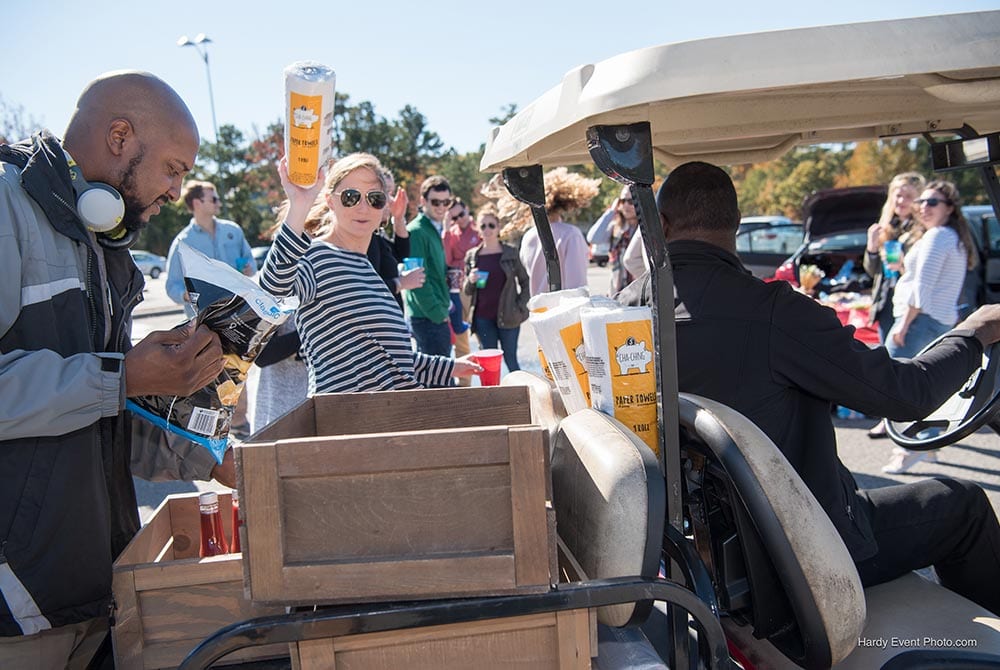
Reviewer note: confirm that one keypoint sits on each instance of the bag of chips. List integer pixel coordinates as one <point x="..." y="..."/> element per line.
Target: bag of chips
<point x="244" y="316"/>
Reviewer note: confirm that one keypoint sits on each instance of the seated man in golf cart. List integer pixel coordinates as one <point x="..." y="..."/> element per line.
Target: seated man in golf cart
<point x="780" y="359"/>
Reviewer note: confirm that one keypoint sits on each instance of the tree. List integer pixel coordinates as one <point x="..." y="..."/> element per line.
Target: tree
<point x="14" y="123"/>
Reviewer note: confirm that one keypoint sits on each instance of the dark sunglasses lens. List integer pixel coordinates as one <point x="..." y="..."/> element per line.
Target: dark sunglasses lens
<point x="627" y="201"/>
<point x="376" y="199"/>
<point x="350" y="197"/>
<point x="440" y="203"/>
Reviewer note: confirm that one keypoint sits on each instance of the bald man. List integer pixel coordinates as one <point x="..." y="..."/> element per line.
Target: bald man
<point x="67" y="289"/>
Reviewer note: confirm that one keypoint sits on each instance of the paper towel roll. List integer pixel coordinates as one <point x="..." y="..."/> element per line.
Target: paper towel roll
<point x="560" y="337"/>
<point x="309" y="98"/>
<point x="618" y="342"/>
<point x="545" y="301"/>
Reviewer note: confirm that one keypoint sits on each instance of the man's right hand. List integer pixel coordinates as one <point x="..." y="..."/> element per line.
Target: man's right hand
<point x="173" y="362"/>
<point x="985" y="323"/>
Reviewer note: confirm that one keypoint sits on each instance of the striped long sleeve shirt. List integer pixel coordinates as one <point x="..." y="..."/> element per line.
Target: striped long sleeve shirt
<point x="933" y="276"/>
<point x="353" y="334"/>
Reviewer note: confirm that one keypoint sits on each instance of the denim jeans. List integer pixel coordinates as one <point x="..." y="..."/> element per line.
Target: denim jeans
<point x="458" y="326"/>
<point x="432" y="338"/>
<point x="923" y="330"/>
<point x="489" y="334"/>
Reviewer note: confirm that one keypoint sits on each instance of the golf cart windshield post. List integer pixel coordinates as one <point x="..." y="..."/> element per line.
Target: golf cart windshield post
<point x="528" y="185"/>
<point x="625" y="153"/>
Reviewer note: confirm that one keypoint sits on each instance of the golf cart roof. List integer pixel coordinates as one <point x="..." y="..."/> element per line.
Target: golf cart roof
<point x="750" y="98"/>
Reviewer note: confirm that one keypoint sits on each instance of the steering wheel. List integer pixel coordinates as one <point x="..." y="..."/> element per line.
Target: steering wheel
<point x="974" y="405"/>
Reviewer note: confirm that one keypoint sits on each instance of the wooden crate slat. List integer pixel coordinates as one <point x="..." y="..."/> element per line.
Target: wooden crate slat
<point x="390" y="452"/>
<point x="349" y="515"/>
<point x="358" y="413"/>
<point x="391" y="580"/>
<point x="127" y="632"/>
<point x="187" y="572"/>
<point x="264" y="550"/>
<point x="528" y="487"/>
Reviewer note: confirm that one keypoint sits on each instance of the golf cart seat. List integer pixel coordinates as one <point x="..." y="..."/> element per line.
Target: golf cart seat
<point x="609" y="498"/>
<point x="547" y="408"/>
<point x="784" y="575"/>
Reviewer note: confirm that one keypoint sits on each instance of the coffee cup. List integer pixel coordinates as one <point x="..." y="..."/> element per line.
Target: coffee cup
<point x="413" y="262"/>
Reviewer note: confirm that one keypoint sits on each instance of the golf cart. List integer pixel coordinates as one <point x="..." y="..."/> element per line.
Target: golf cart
<point x="746" y="547"/>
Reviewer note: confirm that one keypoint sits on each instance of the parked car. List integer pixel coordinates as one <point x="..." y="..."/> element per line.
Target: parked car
<point x="599" y="254"/>
<point x="982" y="283"/>
<point x="149" y="263"/>
<point x="836" y="223"/>
<point x="259" y="254"/>
<point x="764" y="242"/>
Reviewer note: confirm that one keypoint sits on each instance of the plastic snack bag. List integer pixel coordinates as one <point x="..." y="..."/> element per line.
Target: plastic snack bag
<point x="619" y="345"/>
<point x="244" y="316"/>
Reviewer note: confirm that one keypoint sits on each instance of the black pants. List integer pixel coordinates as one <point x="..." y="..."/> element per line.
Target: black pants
<point x="947" y="523"/>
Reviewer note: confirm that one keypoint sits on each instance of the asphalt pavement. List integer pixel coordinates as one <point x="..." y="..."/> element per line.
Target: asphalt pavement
<point x="976" y="458"/>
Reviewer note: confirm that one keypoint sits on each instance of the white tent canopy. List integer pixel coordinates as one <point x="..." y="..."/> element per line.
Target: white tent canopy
<point x="750" y="98"/>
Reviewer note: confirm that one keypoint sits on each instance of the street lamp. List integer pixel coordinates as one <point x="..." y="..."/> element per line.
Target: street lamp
<point x="199" y="43"/>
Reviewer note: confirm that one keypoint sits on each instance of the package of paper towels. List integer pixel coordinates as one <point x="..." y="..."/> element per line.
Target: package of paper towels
<point x="309" y="98"/>
<point x="546" y="301"/>
<point x="618" y="342"/>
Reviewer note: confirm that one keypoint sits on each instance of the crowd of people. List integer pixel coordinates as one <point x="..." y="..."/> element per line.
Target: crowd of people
<point x="369" y="285"/>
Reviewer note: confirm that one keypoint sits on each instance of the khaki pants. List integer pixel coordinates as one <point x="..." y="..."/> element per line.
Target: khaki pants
<point x="70" y="647"/>
<point x="461" y="349"/>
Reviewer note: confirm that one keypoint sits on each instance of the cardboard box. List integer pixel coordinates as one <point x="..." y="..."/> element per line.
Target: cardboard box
<point x="401" y="495"/>
<point x="168" y="599"/>
<point x="557" y="640"/>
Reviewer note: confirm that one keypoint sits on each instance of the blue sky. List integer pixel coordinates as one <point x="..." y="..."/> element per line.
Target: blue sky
<point x="457" y="61"/>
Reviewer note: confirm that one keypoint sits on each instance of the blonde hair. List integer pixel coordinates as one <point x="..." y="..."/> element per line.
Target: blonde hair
<point x="914" y="180"/>
<point x="320" y="218"/>
<point x="565" y="192"/>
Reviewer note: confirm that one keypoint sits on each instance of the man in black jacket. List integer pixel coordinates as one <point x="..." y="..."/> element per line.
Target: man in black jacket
<point x="67" y="289"/>
<point x="781" y="359"/>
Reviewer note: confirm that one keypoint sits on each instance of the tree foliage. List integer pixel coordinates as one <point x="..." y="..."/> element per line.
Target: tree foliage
<point x="244" y="169"/>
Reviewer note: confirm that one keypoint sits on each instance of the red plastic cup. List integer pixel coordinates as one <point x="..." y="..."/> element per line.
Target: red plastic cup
<point x="490" y="360"/>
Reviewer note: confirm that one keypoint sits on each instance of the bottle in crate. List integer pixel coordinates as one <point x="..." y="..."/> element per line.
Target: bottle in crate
<point x="234" y="546"/>
<point x="213" y="539"/>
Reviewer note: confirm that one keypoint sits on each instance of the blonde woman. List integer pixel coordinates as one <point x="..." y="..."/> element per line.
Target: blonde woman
<point x="353" y="333"/>
<point x="500" y="299"/>
<point x="899" y="222"/>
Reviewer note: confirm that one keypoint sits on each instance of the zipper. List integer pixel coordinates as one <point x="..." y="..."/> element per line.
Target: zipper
<point x="89" y="278"/>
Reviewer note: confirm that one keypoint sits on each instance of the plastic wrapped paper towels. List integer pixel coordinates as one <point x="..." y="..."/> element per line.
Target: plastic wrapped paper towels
<point x="546" y="301"/>
<point x="618" y="345"/>
<point x="309" y="98"/>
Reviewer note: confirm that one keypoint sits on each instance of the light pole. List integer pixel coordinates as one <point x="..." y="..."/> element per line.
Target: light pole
<point x="199" y="43"/>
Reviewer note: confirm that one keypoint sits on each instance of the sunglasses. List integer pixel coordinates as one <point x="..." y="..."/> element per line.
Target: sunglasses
<point x="458" y="217"/>
<point x="440" y="203"/>
<point x="626" y="201"/>
<point x="350" y="197"/>
<point x="931" y="202"/>
<point x="489" y="225"/>
<point x="214" y="198"/>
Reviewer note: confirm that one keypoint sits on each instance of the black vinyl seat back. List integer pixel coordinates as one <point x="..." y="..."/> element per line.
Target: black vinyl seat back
<point x="776" y="559"/>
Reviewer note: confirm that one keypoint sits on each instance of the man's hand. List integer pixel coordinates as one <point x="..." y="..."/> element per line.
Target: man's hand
<point x="985" y="323"/>
<point x="173" y="362"/>
<point x="225" y="472"/>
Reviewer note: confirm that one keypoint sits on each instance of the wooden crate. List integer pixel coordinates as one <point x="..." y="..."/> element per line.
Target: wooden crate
<point x="435" y="511"/>
<point x="168" y="599"/>
<point x="556" y="640"/>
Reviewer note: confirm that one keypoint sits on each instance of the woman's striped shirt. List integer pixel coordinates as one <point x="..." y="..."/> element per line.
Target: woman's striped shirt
<point x="353" y="333"/>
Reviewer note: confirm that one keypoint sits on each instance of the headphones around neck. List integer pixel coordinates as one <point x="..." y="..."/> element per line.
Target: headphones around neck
<point x="100" y="206"/>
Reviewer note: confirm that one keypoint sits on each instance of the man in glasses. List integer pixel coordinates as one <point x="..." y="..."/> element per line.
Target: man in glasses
<point x="460" y="236"/>
<point x="428" y="306"/>
<point x="217" y="238"/>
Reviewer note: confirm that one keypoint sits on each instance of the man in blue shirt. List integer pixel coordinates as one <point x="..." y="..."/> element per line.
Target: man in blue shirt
<point x="216" y="238"/>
